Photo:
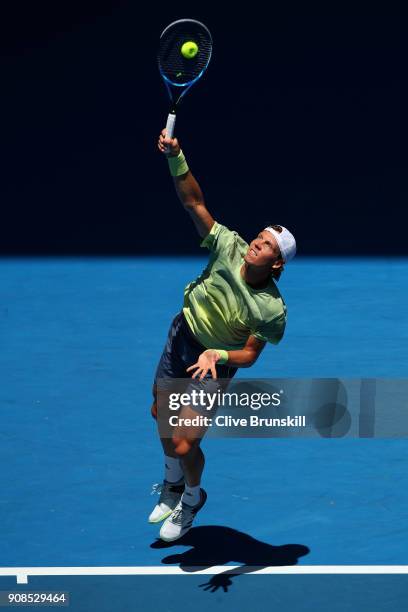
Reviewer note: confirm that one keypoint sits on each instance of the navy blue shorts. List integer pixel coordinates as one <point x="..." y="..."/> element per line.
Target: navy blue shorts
<point x="182" y="350"/>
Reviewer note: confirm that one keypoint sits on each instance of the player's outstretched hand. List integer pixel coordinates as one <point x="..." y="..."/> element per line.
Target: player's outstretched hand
<point x="169" y="146"/>
<point x="205" y="363"/>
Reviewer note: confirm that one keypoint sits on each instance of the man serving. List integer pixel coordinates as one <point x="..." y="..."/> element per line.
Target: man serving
<point x="229" y="313"/>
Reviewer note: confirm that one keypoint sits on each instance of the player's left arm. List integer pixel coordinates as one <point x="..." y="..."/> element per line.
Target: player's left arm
<point x="242" y="358"/>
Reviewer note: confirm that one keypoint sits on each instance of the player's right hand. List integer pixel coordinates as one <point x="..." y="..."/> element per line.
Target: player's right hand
<point x="169" y="146"/>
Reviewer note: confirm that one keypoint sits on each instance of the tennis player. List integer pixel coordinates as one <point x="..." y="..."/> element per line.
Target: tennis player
<point x="229" y="313"/>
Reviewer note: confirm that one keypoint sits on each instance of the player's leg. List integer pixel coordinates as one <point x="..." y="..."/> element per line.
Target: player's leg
<point x="193" y="464"/>
<point x="186" y="440"/>
<point x="170" y="366"/>
<point x="193" y="498"/>
<point x="172" y="486"/>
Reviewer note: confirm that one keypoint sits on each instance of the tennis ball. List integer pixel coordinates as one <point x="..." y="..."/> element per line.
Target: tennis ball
<point x="189" y="49"/>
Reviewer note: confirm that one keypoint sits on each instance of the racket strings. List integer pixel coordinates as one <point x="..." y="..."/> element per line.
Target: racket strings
<point x="176" y="68"/>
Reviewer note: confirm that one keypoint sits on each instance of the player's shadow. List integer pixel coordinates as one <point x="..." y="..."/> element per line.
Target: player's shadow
<point x="218" y="545"/>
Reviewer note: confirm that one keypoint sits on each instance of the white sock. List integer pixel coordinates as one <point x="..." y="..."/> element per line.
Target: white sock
<point x="172" y="469"/>
<point x="191" y="495"/>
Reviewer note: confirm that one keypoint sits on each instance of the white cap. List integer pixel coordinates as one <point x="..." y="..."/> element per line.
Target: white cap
<point x="286" y="242"/>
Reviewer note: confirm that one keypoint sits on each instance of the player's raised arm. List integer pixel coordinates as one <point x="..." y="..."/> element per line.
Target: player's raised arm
<point x="187" y="188"/>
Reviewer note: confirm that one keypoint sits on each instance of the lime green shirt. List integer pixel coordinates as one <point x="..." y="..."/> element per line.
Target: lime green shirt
<point x="221" y="309"/>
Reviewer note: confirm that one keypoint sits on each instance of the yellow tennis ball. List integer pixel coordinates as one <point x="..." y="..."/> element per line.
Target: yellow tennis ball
<point x="189" y="49"/>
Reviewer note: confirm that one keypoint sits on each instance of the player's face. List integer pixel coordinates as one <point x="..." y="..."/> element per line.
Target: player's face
<point x="263" y="250"/>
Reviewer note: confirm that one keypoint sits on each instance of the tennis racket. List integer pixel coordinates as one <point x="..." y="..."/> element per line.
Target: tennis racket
<point x="184" y="53"/>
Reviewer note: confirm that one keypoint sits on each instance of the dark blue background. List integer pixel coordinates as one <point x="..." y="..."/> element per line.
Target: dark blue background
<point x="300" y="120"/>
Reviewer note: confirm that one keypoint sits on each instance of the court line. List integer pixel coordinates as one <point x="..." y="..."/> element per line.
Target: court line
<point x="23" y="573"/>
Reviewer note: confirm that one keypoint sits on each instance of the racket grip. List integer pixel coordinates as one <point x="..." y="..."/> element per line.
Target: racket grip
<point x="171" y="122"/>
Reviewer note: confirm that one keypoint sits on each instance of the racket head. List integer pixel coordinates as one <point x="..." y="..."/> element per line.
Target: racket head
<point x="175" y="69"/>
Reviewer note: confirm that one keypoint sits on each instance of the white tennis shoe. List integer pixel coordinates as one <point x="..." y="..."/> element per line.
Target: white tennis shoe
<point x="181" y="519"/>
<point x="170" y="495"/>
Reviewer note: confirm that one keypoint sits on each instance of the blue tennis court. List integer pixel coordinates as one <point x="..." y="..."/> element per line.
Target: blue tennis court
<point x="80" y="342"/>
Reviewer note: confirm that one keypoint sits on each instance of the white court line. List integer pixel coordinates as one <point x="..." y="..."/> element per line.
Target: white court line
<point x="22" y="573"/>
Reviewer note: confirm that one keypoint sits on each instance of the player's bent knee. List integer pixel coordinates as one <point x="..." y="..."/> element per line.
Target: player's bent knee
<point x="183" y="448"/>
<point x="183" y="445"/>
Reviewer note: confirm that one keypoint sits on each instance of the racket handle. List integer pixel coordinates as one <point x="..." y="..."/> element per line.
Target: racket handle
<point x="171" y="122"/>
